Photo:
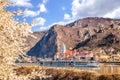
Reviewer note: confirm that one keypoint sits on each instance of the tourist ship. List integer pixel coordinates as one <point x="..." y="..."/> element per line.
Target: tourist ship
<point x="69" y="63"/>
<point x="86" y="64"/>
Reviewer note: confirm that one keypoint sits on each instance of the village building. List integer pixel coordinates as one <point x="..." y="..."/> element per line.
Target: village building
<point x="67" y="54"/>
<point x="74" y="55"/>
<point x="64" y="54"/>
<point x="115" y="57"/>
<point x="85" y="55"/>
<point x="57" y="56"/>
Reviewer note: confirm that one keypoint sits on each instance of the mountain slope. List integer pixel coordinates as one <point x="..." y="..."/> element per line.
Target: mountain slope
<point x="90" y="32"/>
<point x="32" y="39"/>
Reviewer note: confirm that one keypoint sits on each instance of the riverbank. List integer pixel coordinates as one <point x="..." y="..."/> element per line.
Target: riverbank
<point x="50" y="73"/>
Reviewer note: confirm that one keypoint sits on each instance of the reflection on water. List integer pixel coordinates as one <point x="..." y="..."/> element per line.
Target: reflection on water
<point x="107" y="69"/>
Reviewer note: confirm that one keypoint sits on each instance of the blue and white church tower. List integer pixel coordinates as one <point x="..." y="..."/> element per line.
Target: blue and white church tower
<point x="63" y="49"/>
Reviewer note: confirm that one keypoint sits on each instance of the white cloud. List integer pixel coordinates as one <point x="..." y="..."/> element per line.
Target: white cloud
<point x="21" y="3"/>
<point x="30" y="13"/>
<point x="95" y="8"/>
<point x="42" y="8"/>
<point x="60" y="23"/>
<point x="63" y="8"/>
<point x="39" y="28"/>
<point x="44" y="1"/>
<point x="42" y="27"/>
<point x="39" y="21"/>
<point x="67" y="16"/>
<point x="39" y="24"/>
<point x="114" y="14"/>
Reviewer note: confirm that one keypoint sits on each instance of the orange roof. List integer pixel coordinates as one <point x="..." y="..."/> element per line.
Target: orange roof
<point x="67" y="53"/>
<point x="58" y="54"/>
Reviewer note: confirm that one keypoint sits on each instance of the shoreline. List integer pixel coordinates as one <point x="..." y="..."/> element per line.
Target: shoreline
<point x="66" y="73"/>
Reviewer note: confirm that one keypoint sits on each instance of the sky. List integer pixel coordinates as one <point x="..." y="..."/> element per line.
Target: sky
<point x="45" y="13"/>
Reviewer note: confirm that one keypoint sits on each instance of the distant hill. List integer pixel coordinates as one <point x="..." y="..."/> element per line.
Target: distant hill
<point x="87" y="32"/>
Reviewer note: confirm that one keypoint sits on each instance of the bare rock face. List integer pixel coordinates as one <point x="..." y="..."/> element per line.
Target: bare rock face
<point x="33" y="39"/>
<point x="90" y="32"/>
<point x="106" y="39"/>
<point x="46" y="45"/>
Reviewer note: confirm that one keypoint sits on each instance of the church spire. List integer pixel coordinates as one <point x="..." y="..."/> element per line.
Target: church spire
<point x="63" y="48"/>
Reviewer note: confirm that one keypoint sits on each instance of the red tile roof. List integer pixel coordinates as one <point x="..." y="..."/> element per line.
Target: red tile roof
<point x="58" y="54"/>
<point x="67" y="53"/>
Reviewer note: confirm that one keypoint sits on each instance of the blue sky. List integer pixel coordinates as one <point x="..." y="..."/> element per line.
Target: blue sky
<point x="46" y="13"/>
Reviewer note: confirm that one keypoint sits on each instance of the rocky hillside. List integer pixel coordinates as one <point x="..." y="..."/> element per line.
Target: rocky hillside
<point x="33" y="39"/>
<point x="87" y="32"/>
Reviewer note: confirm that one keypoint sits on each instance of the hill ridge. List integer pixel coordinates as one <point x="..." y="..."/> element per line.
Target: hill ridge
<point x="75" y="35"/>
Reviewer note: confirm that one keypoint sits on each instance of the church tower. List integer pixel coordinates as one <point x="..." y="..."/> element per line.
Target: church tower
<point x="63" y="49"/>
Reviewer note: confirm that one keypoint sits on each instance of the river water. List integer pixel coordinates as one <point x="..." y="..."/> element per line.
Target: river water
<point x="103" y="68"/>
<point x="106" y="69"/>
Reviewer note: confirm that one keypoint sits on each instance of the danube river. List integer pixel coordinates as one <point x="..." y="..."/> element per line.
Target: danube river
<point x="109" y="69"/>
<point x="103" y="68"/>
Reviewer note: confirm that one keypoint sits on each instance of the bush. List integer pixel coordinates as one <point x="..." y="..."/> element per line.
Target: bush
<point x="63" y="74"/>
<point x="12" y="35"/>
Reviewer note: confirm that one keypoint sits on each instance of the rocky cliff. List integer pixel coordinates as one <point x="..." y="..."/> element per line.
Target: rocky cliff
<point x="87" y="32"/>
<point x="32" y="39"/>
